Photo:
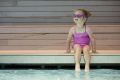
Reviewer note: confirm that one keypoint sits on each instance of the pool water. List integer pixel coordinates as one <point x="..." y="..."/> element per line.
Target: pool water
<point x="60" y="74"/>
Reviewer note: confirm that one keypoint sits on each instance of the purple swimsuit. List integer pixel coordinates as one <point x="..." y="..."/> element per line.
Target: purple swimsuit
<point x="81" y="38"/>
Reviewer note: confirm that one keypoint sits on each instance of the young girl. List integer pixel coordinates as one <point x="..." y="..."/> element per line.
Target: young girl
<point x="81" y="37"/>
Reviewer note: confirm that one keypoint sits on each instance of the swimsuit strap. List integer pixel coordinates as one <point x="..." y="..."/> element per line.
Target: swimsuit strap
<point x="85" y="28"/>
<point x="74" y="30"/>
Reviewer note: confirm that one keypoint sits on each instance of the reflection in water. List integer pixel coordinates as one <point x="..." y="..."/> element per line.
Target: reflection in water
<point x="77" y="75"/>
<point x="80" y="76"/>
<point x="86" y="76"/>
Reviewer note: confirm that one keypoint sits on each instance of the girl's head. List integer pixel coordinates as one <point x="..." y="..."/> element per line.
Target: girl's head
<point x="80" y="16"/>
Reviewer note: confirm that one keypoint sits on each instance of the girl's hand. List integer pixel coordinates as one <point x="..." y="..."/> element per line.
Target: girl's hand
<point x="68" y="51"/>
<point x="94" y="51"/>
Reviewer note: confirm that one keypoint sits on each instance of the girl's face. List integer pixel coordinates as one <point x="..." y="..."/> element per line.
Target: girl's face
<point x="79" y="17"/>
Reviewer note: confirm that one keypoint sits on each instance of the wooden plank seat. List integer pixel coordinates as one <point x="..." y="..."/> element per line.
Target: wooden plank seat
<point x="54" y="52"/>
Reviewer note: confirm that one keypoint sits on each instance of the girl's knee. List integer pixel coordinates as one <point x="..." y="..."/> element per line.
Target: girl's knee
<point x="86" y="49"/>
<point x="77" y="48"/>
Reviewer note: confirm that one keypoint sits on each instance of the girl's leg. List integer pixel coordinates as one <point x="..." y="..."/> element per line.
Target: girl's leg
<point x="86" y="51"/>
<point x="77" y="50"/>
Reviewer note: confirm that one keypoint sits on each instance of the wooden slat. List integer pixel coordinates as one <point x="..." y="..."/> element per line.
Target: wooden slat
<point x="49" y="25"/>
<point x="104" y="13"/>
<point x="34" y="36"/>
<point x="107" y="36"/>
<point x="108" y="47"/>
<point x="54" y="14"/>
<point x="55" y="52"/>
<point x="61" y="8"/>
<point x="52" y="42"/>
<point x="59" y="3"/>
<point x="43" y="25"/>
<point x="57" y="20"/>
<point x="108" y="42"/>
<point x="7" y="3"/>
<point x="32" y="42"/>
<point x="32" y="47"/>
<point x="52" y="47"/>
<point x="35" y="30"/>
<point x="55" y="29"/>
<point x="53" y="36"/>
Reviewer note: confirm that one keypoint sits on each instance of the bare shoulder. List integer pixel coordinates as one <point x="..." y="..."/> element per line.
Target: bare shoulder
<point x="71" y="30"/>
<point x="88" y="28"/>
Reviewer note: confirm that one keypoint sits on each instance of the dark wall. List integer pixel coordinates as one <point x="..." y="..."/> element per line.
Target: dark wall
<point x="58" y="11"/>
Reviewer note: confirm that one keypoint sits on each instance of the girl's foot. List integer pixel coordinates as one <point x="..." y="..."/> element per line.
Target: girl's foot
<point x="77" y="68"/>
<point x="87" y="69"/>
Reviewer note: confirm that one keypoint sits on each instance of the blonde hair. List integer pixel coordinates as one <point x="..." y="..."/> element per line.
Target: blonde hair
<point x="86" y="13"/>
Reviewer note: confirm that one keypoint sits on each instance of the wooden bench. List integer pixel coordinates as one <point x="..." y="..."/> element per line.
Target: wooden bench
<point x="45" y="44"/>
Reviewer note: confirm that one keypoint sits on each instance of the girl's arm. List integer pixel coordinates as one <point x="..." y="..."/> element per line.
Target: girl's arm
<point x="68" y="42"/>
<point x="92" y="39"/>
